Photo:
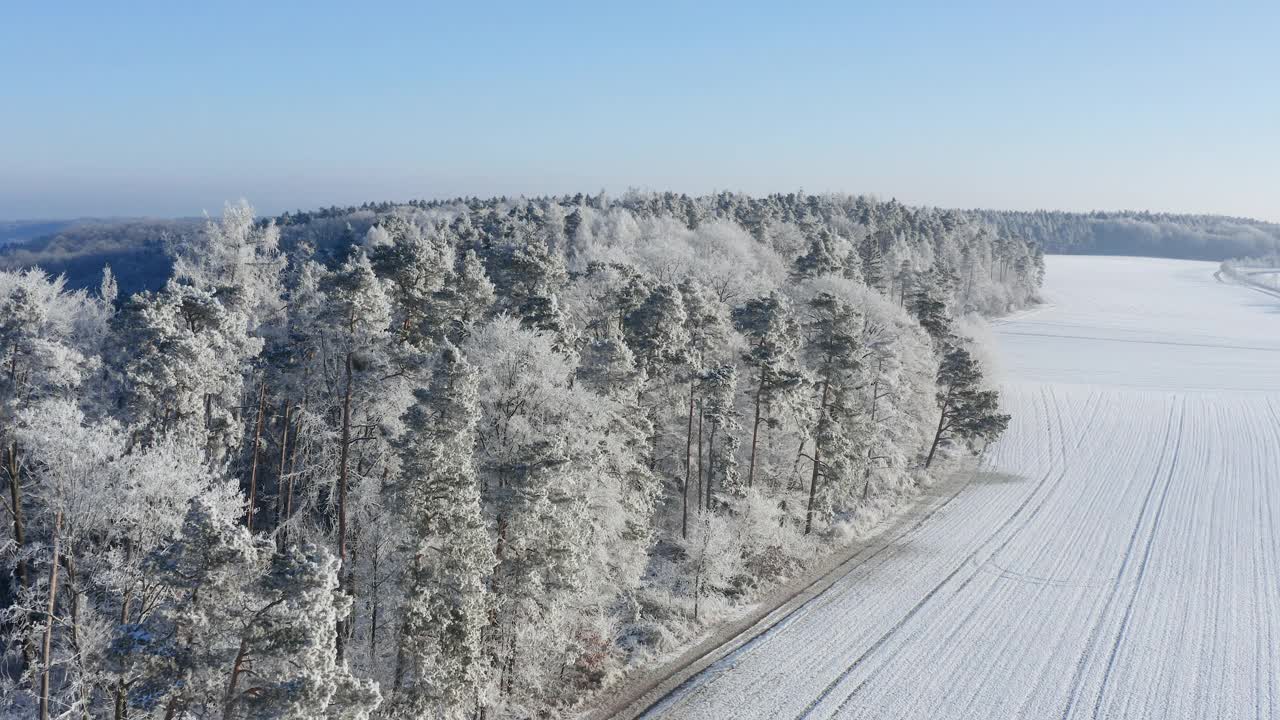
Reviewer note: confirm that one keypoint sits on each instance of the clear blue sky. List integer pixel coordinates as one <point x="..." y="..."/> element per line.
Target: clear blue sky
<point x="171" y="108"/>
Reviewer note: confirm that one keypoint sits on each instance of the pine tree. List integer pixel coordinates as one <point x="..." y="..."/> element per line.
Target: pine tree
<point x="821" y="257"/>
<point x="441" y="669"/>
<point x="357" y="321"/>
<point x="832" y="331"/>
<point x="187" y="353"/>
<point x="49" y="344"/>
<point x="772" y="339"/>
<point x="656" y="331"/>
<point x="965" y="410"/>
<point x="657" y="334"/>
<point x="719" y="386"/>
<point x="416" y="268"/>
<point x="871" y="257"/>
<point x="931" y="312"/>
<point x="239" y="261"/>
<point x="227" y="603"/>
<point x="466" y="298"/>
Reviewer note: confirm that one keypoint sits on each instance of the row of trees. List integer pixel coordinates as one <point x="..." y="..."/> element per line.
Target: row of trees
<point x="1196" y="237"/>
<point x="464" y="459"/>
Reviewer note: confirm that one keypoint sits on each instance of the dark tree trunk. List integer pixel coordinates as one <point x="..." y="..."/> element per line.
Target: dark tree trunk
<point x="22" y="571"/>
<point x="711" y="464"/>
<point x="684" y="489"/>
<point x="937" y="436"/>
<point x="700" y="505"/>
<point x="283" y="497"/>
<point x="343" y="461"/>
<point x="46" y="650"/>
<point x="817" y="460"/>
<point x="755" y="432"/>
<point x="252" y="501"/>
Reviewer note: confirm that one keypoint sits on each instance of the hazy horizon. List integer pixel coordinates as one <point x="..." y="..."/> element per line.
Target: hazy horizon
<point x="214" y="210"/>
<point x="167" y="112"/>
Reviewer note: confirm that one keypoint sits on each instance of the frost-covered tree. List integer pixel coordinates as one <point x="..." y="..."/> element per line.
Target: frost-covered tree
<point x="772" y="337"/>
<point x="930" y="310"/>
<point x="49" y="344"/>
<point x="441" y="669"/>
<point x="712" y="556"/>
<point x="186" y="354"/>
<point x="871" y="259"/>
<point x="239" y="630"/>
<point x="823" y="256"/>
<point x="368" y="392"/>
<point x="966" y="411"/>
<point x="239" y="261"/>
<point x="434" y="447"/>
<point x="719" y="389"/>
<point x="832" y="345"/>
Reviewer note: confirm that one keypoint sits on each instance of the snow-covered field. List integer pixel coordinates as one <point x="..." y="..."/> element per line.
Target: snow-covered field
<point x="1118" y="557"/>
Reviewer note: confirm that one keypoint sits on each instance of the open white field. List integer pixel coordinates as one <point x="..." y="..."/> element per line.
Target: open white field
<point x="1119" y="557"/>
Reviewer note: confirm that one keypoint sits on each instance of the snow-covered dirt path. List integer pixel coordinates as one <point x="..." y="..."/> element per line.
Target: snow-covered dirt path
<point x="1119" y="556"/>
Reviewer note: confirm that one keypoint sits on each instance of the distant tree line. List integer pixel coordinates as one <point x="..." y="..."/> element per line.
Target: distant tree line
<point x="1194" y="237"/>
<point x="136" y="250"/>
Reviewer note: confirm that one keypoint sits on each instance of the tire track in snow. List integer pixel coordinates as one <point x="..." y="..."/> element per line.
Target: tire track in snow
<point x="858" y="560"/>
<point x="1142" y="566"/>
<point x="1269" y="680"/>
<point x="1095" y="635"/>
<point x="1026" y="521"/>
<point x="964" y="564"/>
<point x="1202" y="634"/>
<point x="1140" y="341"/>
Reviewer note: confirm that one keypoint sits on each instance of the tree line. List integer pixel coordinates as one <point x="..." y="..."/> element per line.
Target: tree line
<point x="466" y="459"/>
<point x="1147" y="234"/>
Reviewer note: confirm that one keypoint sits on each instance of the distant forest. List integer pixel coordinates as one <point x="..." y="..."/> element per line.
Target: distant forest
<point x="1145" y="234"/>
<point x="136" y="249"/>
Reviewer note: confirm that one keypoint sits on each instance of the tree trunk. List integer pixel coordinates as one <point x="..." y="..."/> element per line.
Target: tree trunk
<point x="813" y="487"/>
<point x="251" y="501"/>
<point x="282" y="498"/>
<point x="817" y="459"/>
<point x="72" y="602"/>
<point x="373" y="614"/>
<point x="293" y="464"/>
<point x="875" y="403"/>
<point x="684" y="489"/>
<point x="711" y="464"/>
<point x="21" y="570"/>
<point x="46" y="651"/>
<point x="344" y="454"/>
<point x="755" y="432"/>
<point x="229" y="702"/>
<point x="700" y="505"/>
<point x="121" y="707"/>
<point x="937" y="436"/>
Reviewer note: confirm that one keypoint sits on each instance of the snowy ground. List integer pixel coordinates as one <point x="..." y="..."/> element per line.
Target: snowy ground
<point x="1119" y="557"/>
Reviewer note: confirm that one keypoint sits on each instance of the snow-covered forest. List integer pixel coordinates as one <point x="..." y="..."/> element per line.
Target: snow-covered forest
<point x="1148" y="234"/>
<point x="471" y="458"/>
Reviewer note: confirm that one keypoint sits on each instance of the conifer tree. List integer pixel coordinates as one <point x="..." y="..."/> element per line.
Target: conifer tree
<point x="821" y="257"/>
<point x="719" y="386"/>
<point x="931" y="312"/>
<point x="966" y="411"/>
<point x="871" y="259"/>
<point x="772" y="336"/>
<point x="832" y="330"/>
<point x="239" y="631"/>
<point x="441" y="670"/>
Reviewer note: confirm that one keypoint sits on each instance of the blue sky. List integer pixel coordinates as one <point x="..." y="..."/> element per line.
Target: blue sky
<point x="170" y="109"/>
